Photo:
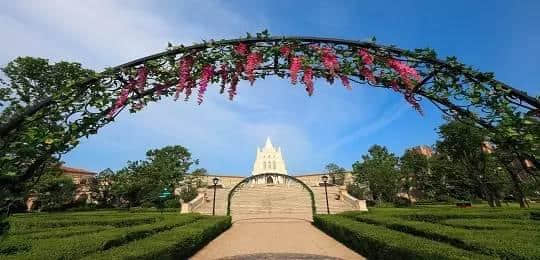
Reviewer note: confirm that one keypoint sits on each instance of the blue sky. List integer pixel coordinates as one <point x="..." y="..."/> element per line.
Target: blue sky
<point x="334" y="125"/>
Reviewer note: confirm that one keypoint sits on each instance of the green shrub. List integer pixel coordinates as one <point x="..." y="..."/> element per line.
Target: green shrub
<point x="172" y="203"/>
<point x="535" y="215"/>
<point x="376" y="242"/>
<point x="75" y="247"/>
<point x="177" y="243"/>
<point x="519" y="242"/>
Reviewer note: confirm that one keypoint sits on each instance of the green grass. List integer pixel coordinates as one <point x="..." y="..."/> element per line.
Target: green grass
<point x="76" y="235"/>
<point x="421" y="232"/>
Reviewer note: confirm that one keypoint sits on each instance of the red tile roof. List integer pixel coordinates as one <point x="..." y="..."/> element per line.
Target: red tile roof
<point x="67" y="169"/>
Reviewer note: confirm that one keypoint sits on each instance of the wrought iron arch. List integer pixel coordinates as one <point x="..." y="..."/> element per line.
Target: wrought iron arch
<point x="266" y="175"/>
<point x="456" y="89"/>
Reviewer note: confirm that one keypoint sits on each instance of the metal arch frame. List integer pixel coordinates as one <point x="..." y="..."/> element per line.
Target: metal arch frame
<point x="18" y="119"/>
<point x="265" y="175"/>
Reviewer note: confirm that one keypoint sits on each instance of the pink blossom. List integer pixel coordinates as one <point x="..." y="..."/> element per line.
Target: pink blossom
<point x="345" y="81"/>
<point x="405" y="72"/>
<point x="232" y="87"/>
<point x="308" y="80"/>
<point x="142" y="75"/>
<point x="329" y="60"/>
<point x="224" y="74"/>
<point x="159" y="88"/>
<point x="241" y="49"/>
<point x="122" y="98"/>
<point x="366" y="57"/>
<point x="253" y="60"/>
<point x="296" y="64"/>
<point x="285" y="51"/>
<point x="394" y="85"/>
<point x="409" y="97"/>
<point x="184" y="71"/>
<point x="368" y="74"/>
<point x="206" y="75"/>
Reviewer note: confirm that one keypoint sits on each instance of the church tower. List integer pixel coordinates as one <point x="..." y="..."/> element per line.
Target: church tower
<point x="269" y="160"/>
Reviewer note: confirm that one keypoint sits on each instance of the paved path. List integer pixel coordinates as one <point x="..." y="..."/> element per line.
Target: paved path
<point x="274" y="239"/>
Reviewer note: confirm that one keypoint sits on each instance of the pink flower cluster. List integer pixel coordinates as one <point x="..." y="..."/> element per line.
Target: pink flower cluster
<point x="253" y="60"/>
<point x="285" y="51"/>
<point x="206" y="76"/>
<point x="366" y="57"/>
<point x="185" y="82"/>
<point x="308" y="80"/>
<point x="405" y="72"/>
<point x="241" y="49"/>
<point x="142" y="75"/>
<point x="345" y="81"/>
<point x="296" y="64"/>
<point x="122" y="98"/>
<point x="138" y="83"/>
<point x="329" y="60"/>
<point x="368" y="74"/>
<point x="224" y="74"/>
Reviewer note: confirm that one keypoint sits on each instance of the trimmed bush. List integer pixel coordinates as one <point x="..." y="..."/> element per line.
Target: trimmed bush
<point x="504" y="234"/>
<point x="75" y="247"/>
<point x="177" y="243"/>
<point x="376" y="242"/>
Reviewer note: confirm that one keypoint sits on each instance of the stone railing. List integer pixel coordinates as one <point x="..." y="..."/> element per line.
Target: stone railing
<point x="188" y="207"/>
<point x="348" y="198"/>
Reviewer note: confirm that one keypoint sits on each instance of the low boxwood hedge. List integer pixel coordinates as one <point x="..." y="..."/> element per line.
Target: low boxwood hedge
<point x="519" y="240"/>
<point x="177" y="243"/>
<point x="377" y="242"/>
<point x="75" y="247"/>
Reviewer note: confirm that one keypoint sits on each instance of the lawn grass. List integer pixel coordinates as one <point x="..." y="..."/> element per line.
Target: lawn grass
<point x="508" y="233"/>
<point x="79" y="234"/>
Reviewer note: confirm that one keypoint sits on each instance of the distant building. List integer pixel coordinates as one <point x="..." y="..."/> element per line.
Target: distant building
<point x="423" y="150"/>
<point x="81" y="178"/>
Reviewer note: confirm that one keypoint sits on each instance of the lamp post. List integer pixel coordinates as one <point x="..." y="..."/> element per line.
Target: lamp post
<point x="325" y="180"/>
<point x="215" y="181"/>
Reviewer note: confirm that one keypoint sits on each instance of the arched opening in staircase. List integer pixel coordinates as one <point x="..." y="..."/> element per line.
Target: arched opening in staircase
<point x="288" y="197"/>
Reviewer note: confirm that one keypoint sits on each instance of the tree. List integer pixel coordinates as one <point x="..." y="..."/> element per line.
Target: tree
<point x="54" y="192"/>
<point x="417" y="176"/>
<point x="337" y="173"/>
<point x="142" y="181"/>
<point x="169" y="165"/>
<point x="379" y="169"/>
<point x="462" y="144"/>
<point x="36" y="146"/>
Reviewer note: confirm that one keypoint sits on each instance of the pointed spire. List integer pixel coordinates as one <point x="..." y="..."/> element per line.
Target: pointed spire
<point x="268" y="143"/>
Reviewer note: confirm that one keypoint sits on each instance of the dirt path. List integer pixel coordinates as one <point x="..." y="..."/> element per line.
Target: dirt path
<point x="271" y="238"/>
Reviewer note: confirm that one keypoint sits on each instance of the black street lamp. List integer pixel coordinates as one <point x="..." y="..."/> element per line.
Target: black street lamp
<point x="325" y="180"/>
<point x="215" y="181"/>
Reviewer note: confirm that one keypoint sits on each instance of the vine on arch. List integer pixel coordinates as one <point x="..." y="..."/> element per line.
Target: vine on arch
<point x="456" y="89"/>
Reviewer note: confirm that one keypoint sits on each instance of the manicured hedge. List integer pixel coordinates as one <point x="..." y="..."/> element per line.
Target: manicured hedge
<point x="377" y="242"/>
<point x="535" y="215"/>
<point x="30" y="225"/>
<point x="177" y="243"/>
<point x="75" y="247"/>
<point x="510" y="235"/>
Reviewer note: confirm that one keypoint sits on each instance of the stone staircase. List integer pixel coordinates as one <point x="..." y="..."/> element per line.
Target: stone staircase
<point x="221" y="202"/>
<point x="335" y="205"/>
<point x="271" y="201"/>
<point x="289" y="200"/>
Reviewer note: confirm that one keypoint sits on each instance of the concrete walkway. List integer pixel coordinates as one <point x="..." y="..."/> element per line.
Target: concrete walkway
<point x="274" y="239"/>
